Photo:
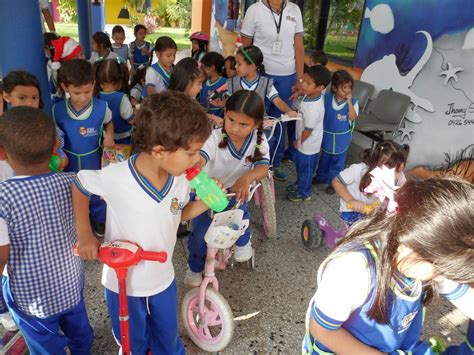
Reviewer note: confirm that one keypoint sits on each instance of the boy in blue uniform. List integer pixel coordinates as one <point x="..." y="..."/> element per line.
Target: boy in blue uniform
<point x="43" y="289"/>
<point x="83" y="118"/>
<point x="340" y="112"/>
<point x="149" y="196"/>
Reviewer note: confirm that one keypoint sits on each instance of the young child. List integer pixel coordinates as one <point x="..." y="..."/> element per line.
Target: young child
<point x="318" y="57"/>
<point x="351" y="182"/>
<point x="120" y="48"/>
<point x="149" y="196"/>
<point x="140" y="50"/>
<point x="236" y="154"/>
<point x="309" y="132"/>
<point x="112" y="85"/>
<point x="213" y="64"/>
<point x="158" y="75"/>
<point x="229" y="67"/>
<point x="372" y="288"/>
<point x="137" y="86"/>
<point x="251" y="76"/>
<point x="341" y="110"/>
<point x="44" y="283"/>
<point x="101" y="48"/>
<point x="187" y="77"/>
<point x="83" y="118"/>
<point x="199" y="43"/>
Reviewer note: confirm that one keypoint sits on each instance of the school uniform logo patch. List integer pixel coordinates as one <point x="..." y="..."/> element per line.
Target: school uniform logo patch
<point x="291" y="18"/>
<point x="88" y="132"/>
<point x="341" y="117"/>
<point x="176" y="206"/>
<point x="406" y="321"/>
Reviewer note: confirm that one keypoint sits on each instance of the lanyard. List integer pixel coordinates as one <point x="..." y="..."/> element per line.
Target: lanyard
<point x="277" y="25"/>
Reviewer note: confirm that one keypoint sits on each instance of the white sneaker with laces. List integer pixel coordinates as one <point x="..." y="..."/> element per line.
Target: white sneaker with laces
<point x="8" y="322"/>
<point x="243" y="253"/>
<point x="192" y="279"/>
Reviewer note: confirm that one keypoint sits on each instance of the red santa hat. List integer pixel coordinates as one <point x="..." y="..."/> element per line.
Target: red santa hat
<point x="65" y="48"/>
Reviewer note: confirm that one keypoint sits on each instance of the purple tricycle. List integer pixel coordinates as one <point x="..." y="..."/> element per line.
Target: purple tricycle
<point x="313" y="231"/>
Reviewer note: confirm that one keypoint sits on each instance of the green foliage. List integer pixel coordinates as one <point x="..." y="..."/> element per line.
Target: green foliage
<point x="67" y="11"/>
<point x="161" y="13"/>
<point x="138" y="5"/>
<point x="345" y="15"/>
<point x="311" y="19"/>
<point x="180" y="13"/>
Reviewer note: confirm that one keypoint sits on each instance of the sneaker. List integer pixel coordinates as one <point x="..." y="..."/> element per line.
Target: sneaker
<point x="291" y="188"/>
<point x="243" y="253"/>
<point x="192" y="279"/>
<point x="7" y="321"/>
<point x="296" y="197"/>
<point x="279" y="174"/>
<point x="330" y="190"/>
<point x="99" y="229"/>
<point x="183" y="230"/>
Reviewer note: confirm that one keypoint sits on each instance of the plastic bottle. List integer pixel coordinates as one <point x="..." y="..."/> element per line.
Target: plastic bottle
<point x="207" y="189"/>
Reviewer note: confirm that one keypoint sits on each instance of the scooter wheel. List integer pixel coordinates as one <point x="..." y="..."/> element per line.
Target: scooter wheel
<point x="311" y="235"/>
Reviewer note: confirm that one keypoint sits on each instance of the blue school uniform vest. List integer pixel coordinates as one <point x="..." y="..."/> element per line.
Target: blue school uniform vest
<point x="405" y="318"/>
<point x="122" y="128"/>
<point x="337" y="128"/>
<point x="138" y="57"/>
<point x="163" y="73"/>
<point x="235" y="84"/>
<point x="82" y="138"/>
<point x="209" y="88"/>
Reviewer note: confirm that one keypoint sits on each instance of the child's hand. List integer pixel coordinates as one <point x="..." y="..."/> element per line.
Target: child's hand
<point x="88" y="248"/>
<point x="295" y="144"/>
<point x="356" y="206"/>
<point x="216" y="120"/>
<point x="217" y="102"/>
<point x="145" y="51"/>
<point x="109" y="141"/>
<point x="241" y="188"/>
<point x="292" y="113"/>
<point x="349" y="97"/>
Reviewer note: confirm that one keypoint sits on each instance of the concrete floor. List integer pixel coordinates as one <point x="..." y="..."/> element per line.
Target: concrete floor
<point x="279" y="288"/>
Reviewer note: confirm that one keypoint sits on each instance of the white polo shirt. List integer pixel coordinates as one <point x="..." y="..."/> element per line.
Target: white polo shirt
<point x="139" y="213"/>
<point x="228" y="164"/>
<point x="351" y="177"/>
<point x="312" y="111"/>
<point x="259" y="24"/>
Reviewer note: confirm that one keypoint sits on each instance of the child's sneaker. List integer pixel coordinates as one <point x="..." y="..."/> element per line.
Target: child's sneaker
<point x="330" y="190"/>
<point x="296" y="197"/>
<point x="279" y="174"/>
<point x="192" y="279"/>
<point x="243" y="253"/>
<point x="291" y="188"/>
<point x="99" y="229"/>
<point x="8" y="322"/>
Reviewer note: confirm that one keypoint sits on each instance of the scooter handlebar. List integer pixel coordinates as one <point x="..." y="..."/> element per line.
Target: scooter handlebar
<point x="160" y="256"/>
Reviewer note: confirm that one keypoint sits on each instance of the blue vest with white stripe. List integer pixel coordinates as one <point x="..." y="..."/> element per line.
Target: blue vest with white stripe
<point x="164" y="75"/>
<point x="114" y="101"/>
<point x="82" y="138"/>
<point x="405" y="319"/>
<point x="207" y="88"/>
<point x="337" y="128"/>
<point x="138" y="57"/>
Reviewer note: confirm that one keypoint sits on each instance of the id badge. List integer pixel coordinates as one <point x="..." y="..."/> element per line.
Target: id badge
<point x="276" y="47"/>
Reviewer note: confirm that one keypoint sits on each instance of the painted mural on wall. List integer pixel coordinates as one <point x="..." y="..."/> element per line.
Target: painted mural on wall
<point x="425" y="49"/>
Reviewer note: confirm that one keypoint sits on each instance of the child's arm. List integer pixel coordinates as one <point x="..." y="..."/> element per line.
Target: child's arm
<point x="241" y="186"/>
<point x="462" y="296"/>
<point x="352" y="112"/>
<point x="126" y="110"/>
<point x="283" y="107"/>
<point x="4" y="251"/>
<point x="87" y="243"/>
<point x="340" y="341"/>
<point x="109" y="137"/>
<point x="193" y="209"/>
<point x="341" y="190"/>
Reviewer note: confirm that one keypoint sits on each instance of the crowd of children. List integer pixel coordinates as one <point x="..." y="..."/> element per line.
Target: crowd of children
<point x="378" y="278"/>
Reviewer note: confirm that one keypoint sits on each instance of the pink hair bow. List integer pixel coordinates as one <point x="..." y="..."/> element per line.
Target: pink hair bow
<point x="383" y="186"/>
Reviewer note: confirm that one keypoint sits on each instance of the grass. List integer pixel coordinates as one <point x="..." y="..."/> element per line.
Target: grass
<point x="341" y="46"/>
<point x="180" y="35"/>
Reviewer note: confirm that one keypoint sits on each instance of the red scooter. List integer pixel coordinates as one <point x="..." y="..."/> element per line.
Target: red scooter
<point x="120" y="255"/>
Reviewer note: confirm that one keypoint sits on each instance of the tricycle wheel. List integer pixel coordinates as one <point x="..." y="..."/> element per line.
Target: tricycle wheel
<point x="311" y="235"/>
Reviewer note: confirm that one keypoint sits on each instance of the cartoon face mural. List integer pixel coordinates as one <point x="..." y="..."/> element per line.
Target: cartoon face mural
<point x="424" y="49"/>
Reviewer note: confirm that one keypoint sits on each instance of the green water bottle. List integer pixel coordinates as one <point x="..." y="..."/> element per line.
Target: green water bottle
<point x="207" y="189"/>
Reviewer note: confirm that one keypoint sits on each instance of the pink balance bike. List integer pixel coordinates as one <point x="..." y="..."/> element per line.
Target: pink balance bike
<point x="313" y="231"/>
<point x="121" y="255"/>
<point x="265" y="194"/>
<point x="206" y="315"/>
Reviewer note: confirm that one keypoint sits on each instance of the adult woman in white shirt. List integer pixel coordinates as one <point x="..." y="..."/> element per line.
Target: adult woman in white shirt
<point x="276" y="27"/>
